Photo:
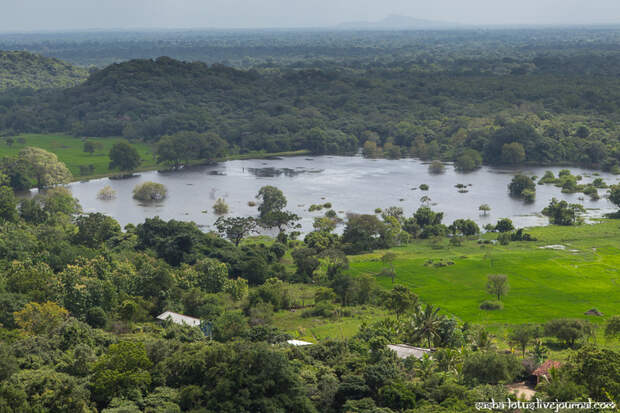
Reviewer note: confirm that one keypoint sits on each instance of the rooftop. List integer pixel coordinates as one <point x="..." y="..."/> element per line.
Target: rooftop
<point x="404" y="351"/>
<point x="179" y="319"/>
<point x="298" y="343"/>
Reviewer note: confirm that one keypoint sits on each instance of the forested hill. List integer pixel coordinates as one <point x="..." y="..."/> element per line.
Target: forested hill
<point x="27" y="70"/>
<point x="547" y="113"/>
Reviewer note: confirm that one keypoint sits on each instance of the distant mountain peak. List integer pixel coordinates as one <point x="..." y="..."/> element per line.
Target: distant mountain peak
<point x="398" y="22"/>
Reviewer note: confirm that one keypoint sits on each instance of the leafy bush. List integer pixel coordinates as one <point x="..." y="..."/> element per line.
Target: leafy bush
<point x="106" y="193"/>
<point x="492" y="305"/>
<point x="436" y="167"/>
<point x="150" y="191"/>
<point x="220" y="207"/>
<point x="488" y="367"/>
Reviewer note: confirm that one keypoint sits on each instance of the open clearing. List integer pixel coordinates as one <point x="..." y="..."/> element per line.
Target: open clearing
<point x="544" y="283"/>
<point x="70" y="150"/>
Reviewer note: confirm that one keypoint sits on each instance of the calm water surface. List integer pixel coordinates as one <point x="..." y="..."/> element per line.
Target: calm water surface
<point x="351" y="184"/>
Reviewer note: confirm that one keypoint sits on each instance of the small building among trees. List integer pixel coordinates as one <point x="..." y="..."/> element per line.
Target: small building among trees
<point x="179" y="319"/>
<point x="543" y="372"/>
<point x="404" y="351"/>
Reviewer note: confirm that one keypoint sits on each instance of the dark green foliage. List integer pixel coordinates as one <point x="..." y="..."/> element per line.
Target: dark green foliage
<point x="363" y="233"/>
<point x="563" y="213"/>
<point x="96" y="317"/>
<point x="465" y="227"/>
<point x="492" y="305"/>
<point x="178" y="242"/>
<point x="124" y="157"/>
<point x="252" y="377"/>
<point x="8" y="204"/>
<point x="343" y="100"/>
<point x="306" y="261"/>
<point x="488" y="367"/>
<point x="122" y="371"/>
<point x="522" y="186"/>
<point x="236" y="228"/>
<point x="96" y="228"/>
<point x="26" y="70"/>
<point x="598" y="370"/>
<point x="182" y="147"/>
<point x="568" y="330"/>
<point x="468" y="161"/>
<point x="612" y="329"/>
<point x="44" y="390"/>
<point x="504" y="225"/>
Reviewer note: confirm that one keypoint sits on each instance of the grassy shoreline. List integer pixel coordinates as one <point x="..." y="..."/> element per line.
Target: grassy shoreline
<point x="545" y="283"/>
<point x="69" y="150"/>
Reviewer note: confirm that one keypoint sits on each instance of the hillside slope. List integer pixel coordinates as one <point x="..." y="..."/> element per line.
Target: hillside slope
<point x="28" y="70"/>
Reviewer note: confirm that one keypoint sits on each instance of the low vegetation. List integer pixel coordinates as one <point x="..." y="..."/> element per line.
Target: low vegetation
<point x="150" y="191"/>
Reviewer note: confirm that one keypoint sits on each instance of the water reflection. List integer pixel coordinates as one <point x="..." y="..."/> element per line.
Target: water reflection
<point x="271" y="172"/>
<point x="350" y="184"/>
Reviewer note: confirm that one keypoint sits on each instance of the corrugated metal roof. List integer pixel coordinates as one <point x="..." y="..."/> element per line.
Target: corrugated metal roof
<point x="298" y="343"/>
<point x="179" y="319"/>
<point x="404" y="351"/>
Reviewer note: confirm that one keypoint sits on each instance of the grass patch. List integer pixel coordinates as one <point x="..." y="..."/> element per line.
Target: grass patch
<point x="544" y="284"/>
<point x="70" y="150"/>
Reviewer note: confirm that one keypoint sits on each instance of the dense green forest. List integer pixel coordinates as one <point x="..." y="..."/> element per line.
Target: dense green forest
<point x="546" y="110"/>
<point x="32" y="71"/>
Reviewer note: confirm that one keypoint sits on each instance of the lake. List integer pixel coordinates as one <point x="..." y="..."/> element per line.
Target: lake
<point x="350" y="183"/>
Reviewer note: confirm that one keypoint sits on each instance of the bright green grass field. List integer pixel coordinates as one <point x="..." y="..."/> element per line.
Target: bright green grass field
<point x="69" y="150"/>
<point x="544" y="284"/>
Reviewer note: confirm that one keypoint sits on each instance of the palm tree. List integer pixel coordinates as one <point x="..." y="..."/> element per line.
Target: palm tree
<point x="426" y="324"/>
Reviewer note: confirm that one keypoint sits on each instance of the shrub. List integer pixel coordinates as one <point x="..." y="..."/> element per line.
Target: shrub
<point x="150" y="191"/>
<point x="220" y="207"/>
<point x="568" y="330"/>
<point x="323" y="309"/>
<point x="468" y="161"/>
<point x="424" y="187"/>
<point x="106" y="193"/>
<point x="548" y="178"/>
<point x="96" y="317"/>
<point x="487" y="367"/>
<point x="520" y="184"/>
<point x="436" y="167"/>
<point x="504" y="238"/>
<point x="492" y="305"/>
<point x="504" y="225"/>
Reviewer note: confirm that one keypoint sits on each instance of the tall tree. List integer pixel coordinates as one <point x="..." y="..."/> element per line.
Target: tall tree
<point x="8" y="204"/>
<point x="426" y="325"/>
<point x="497" y="285"/>
<point x="124" y="157"/>
<point x="271" y="200"/>
<point x="236" y="228"/>
<point x="401" y="299"/>
<point x="44" y="167"/>
<point x="522" y="335"/>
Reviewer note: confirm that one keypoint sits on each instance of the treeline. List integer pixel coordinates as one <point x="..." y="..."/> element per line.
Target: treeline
<point x="31" y="71"/>
<point x="502" y="50"/>
<point x="506" y="118"/>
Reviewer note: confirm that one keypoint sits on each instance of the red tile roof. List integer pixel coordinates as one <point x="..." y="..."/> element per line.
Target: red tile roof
<point x="544" y="368"/>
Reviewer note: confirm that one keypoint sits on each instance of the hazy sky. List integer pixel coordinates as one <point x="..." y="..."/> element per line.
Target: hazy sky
<point x="33" y="15"/>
